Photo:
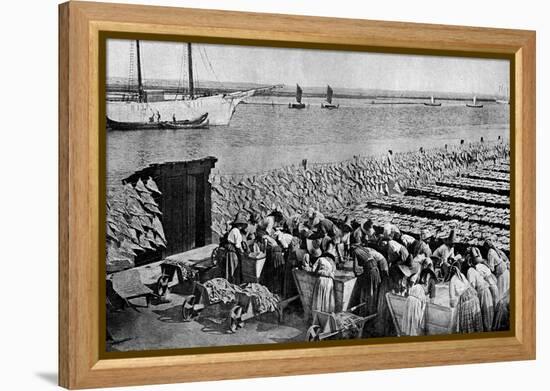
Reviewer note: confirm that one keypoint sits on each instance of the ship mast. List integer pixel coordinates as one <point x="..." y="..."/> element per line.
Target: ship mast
<point x="141" y="92"/>
<point x="190" y="65"/>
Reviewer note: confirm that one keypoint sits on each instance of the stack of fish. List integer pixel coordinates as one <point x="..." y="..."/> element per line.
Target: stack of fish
<point x="503" y="167"/>
<point x="460" y="195"/>
<point x="330" y="187"/>
<point x="488" y="175"/>
<point x="262" y="299"/>
<point x="444" y="210"/>
<point x="220" y="290"/>
<point x="133" y="224"/>
<point x="472" y="233"/>
<point x="348" y="324"/>
<point x="481" y="185"/>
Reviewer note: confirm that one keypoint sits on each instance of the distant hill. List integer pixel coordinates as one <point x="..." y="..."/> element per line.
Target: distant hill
<point x="119" y="84"/>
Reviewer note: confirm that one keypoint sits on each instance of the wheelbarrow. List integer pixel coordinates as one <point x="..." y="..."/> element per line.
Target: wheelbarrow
<point x="341" y="325"/>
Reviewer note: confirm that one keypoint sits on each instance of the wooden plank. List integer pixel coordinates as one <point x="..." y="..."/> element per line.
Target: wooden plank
<point x="190" y="226"/>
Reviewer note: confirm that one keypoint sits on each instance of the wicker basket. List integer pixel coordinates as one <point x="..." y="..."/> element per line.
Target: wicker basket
<point x="252" y="265"/>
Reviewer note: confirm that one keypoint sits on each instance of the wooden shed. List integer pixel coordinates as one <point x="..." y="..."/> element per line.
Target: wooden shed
<point x="185" y="203"/>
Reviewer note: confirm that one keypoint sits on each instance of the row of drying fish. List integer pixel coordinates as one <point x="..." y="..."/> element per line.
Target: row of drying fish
<point x="488" y="175"/>
<point x="133" y="223"/>
<point x="456" y="194"/>
<point x="329" y="187"/>
<point x="444" y="210"/>
<point x="467" y="232"/>
<point x="485" y="186"/>
<point x="503" y="167"/>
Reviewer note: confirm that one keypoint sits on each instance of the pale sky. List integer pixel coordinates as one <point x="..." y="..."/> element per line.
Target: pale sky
<point x="307" y="67"/>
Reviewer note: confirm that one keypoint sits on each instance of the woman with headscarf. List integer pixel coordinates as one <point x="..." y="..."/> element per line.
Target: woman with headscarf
<point x="420" y="247"/>
<point x="273" y="272"/>
<point x="494" y="255"/>
<point x="396" y="252"/>
<point x="429" y="280"/>
<point x="289" y="244"/>
<point x="234" y="245"/>
<point x="464" y="298"/>
<point x="415" y="306"/>
<point x="502" y="273"/>
<point x="310" y="258"/>
<point x="323" y="290"/>
<point x="384" y="323"/>
<point x="484" y="294"/>
<point x="369" y="280"/>
<point x="445" y="253"/>
<point x="364" y="233"/>
<point x="489" y="277"/>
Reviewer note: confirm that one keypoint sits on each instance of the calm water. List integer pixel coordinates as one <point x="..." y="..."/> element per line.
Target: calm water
<point x="262" y="137"/>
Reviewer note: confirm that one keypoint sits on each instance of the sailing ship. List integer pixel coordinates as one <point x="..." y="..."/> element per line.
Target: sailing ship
<point x="298" y="104"/>
<point x="328" y="103"/>
<point x="432" y="102"/>
<point x="144" y="113"/>
<point x="474" y="104"/>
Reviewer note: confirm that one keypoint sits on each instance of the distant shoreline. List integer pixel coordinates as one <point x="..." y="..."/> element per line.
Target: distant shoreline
<point x="117" y="86"/>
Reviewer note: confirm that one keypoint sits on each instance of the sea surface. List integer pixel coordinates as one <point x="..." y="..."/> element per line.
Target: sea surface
<point x="266" y="134"/>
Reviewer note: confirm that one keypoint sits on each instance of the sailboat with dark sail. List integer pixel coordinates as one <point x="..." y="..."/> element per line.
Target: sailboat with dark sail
<point x="328" y="103"/>
<point x="298" y="104"/>
<point x="145" y="113"/>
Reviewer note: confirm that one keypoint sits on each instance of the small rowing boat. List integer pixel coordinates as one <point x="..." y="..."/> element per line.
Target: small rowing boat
<point x="176" y="125"/>
<point x="199" y="122"/>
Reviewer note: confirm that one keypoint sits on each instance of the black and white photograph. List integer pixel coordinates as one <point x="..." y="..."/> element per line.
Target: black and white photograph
<point x="270" y="195"/>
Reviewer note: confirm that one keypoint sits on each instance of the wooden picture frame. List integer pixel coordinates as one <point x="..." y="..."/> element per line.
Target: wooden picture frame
<point x="81" y="364"/>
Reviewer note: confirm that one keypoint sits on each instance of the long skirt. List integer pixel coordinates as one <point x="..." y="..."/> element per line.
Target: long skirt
<point x="487" y="308"/>
<point x="289" y="285"/>
<point x="232" y="269"/>
<point x="495" y="294"/>
<point x="273" y="275"/>
<point x="413" y="318"/>
<point x="323" y="295"/>
<point x="469" y="318"/>
<point x="502" y="316"/>
<point x="384" y="323"/>
<point x="503" y="283"/>
<point x="369" y="282"/>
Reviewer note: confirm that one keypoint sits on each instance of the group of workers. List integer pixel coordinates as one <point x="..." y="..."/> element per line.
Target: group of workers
<point x="383" y="259"/>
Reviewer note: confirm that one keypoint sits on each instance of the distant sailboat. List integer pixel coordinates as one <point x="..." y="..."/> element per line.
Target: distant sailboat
<point x="298" y="104"/>
<point x="474" y="104"/>
<point x="432" y="102"/>
<point x="503" y="91"/>
<point x="144" y="112"/>
<point x="328" y="104"/>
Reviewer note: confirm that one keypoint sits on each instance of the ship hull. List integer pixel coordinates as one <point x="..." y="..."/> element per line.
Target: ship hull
<point x="296" y="105"/>
<point x="220" y="109"/>
<point x="196" y="123"/>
